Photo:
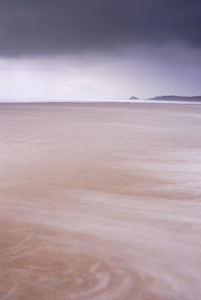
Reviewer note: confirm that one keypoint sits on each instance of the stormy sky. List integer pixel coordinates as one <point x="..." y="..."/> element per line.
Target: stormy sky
<point x="99" y="49"/>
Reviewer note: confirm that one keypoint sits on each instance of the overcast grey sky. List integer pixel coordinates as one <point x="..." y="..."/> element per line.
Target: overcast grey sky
<point x="99" y="49"/>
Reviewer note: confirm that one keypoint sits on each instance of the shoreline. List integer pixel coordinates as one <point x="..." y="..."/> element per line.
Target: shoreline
<point x="140" y="101"/>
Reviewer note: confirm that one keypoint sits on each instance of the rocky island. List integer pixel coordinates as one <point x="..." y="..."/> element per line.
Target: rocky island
<point x="133" y="98"/>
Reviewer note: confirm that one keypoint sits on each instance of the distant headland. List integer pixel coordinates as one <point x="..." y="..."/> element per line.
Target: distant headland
<point x="172" y="98"/>
<point x="177" y="98"/>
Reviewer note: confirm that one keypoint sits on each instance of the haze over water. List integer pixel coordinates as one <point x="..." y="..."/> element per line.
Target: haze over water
<point x="100" y="201"/>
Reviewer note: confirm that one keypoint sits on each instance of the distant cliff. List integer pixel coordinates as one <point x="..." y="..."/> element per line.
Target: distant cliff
<point x="133" y="98"/>
<point x="177" y="98"/>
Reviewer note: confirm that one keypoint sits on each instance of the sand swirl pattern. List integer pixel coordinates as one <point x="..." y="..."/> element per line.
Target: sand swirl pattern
<point x="47" y="272"/>
<point x="106" y="282"/>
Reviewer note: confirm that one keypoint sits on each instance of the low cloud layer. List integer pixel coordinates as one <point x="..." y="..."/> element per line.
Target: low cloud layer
<point x="52" y="27"/>
<point x="99" y="49"/>
<point x="138" y="71"/>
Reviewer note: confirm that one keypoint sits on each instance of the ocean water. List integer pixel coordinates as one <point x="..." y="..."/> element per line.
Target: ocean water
<point x="100" y="201"/>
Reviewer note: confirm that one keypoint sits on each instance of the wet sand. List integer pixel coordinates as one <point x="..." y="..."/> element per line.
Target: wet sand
<point x="100" y="201"/>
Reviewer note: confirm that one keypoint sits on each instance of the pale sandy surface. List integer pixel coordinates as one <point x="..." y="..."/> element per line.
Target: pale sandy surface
<point x="100" y="202"/>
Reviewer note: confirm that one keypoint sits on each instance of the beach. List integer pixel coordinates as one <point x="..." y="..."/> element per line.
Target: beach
<point x="100" y="201"/>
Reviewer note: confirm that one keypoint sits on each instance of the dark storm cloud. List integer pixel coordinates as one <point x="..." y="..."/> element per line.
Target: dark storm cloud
<point x="46" y="27"/>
